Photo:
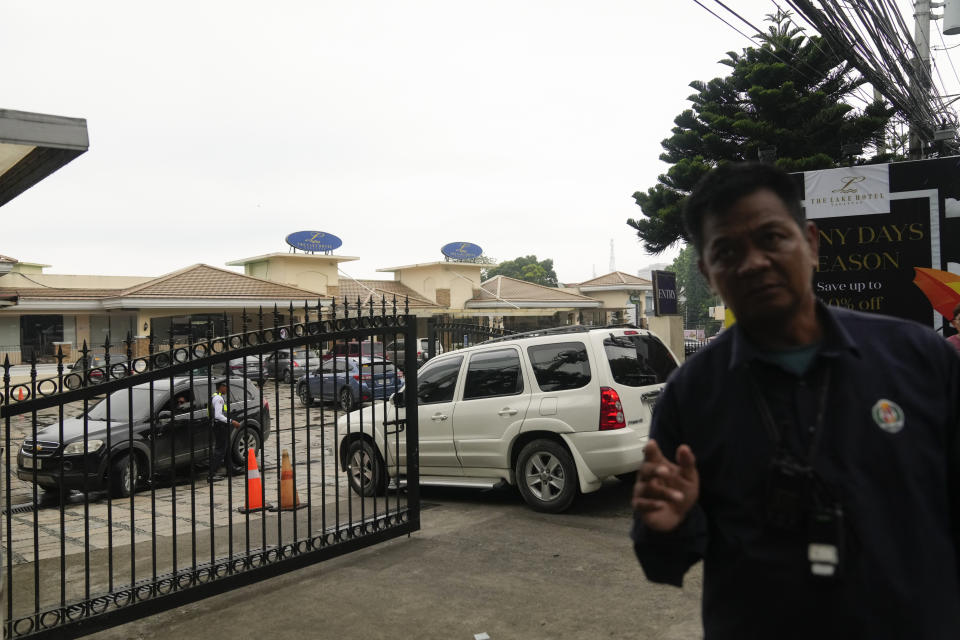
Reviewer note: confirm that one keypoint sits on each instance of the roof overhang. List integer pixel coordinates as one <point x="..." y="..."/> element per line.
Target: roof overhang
<point x="33" y="146"/>
<point x="132" y="304"/>
<point x="515" y="304"/>
<point x="52" y="304"/>
<point x="323" y="257"/>
<point x="624" y="288"/>
<point x="438" y="263"/>
<point x="205" y="303"/>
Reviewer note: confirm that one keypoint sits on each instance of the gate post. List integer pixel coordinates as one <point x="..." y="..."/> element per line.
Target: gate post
<point x="431" y="337"/>
<point x="3" y="525"/>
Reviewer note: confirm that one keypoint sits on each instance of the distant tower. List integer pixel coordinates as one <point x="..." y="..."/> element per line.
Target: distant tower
<point x="613" y="263"/>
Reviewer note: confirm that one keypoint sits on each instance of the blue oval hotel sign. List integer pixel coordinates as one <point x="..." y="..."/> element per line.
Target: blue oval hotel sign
<point x="461" y="250"/>
<point x="313" y="241"/>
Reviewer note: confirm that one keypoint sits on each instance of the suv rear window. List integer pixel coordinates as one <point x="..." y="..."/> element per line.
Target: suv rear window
<point x="379" y="368"/>
<point x="638" y="360"/>
<point x="560" y="366"/>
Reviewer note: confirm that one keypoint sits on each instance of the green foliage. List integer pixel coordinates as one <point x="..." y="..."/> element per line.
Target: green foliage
<point x="693" y="287"/>
<point x="526" y="268"/>
<point x="790" y="93"/>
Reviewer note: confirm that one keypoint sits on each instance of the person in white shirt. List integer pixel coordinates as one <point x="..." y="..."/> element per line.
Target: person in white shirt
<point x="219" y="426"/>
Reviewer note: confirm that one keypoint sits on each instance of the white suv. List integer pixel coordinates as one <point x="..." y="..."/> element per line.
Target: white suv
<point x="553" y="412"/>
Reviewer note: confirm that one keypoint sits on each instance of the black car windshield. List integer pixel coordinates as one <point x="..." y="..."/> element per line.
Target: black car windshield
<point x="120" y="405"/>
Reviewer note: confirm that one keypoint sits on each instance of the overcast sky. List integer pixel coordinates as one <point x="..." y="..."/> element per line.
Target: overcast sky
<point x="217" y="128"/>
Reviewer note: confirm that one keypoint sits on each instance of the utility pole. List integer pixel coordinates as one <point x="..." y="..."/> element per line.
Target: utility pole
<point x="882" y="138"/>
<point x="921" y="36"/>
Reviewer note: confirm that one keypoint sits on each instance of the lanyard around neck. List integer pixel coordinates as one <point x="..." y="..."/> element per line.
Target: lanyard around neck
<point x="773" y="430"/>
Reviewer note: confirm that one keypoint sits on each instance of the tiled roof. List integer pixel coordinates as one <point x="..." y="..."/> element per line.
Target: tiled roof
<point x="503" y="288"/>
<point x="204" y="281"/>
<point x="198" y="281"/>
<point x="382" y="290"/>
<point x="614" y="278"/>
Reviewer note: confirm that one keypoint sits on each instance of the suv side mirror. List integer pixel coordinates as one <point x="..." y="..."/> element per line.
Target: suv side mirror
<point x="164" y="415"/>
<point x="398" y="399"/>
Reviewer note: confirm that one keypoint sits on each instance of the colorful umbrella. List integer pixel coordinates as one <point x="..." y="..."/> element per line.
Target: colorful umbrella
<point x="942" y="289"/>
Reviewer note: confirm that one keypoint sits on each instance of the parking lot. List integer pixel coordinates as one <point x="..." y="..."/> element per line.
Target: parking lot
<point x="496" y="566"/>
<point x="66" y="547"/>
<point x="166" y="504"/>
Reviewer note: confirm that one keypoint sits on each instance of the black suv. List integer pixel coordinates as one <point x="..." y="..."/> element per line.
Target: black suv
<point x="171" y="432"/>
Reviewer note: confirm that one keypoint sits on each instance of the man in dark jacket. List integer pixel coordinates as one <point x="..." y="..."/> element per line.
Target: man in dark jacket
<point x="810" y="455"/>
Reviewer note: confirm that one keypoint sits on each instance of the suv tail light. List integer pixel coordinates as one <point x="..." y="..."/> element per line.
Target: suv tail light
<point x="611" y="411"/>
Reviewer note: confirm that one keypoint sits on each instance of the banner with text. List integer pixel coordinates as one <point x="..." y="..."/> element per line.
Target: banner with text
<point x="876" y="224"/>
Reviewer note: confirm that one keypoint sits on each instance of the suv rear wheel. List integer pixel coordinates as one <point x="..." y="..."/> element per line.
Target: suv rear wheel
<point x="546" y="476"/>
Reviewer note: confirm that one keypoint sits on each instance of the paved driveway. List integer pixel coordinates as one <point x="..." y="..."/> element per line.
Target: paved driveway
<point x="482" y="563"/>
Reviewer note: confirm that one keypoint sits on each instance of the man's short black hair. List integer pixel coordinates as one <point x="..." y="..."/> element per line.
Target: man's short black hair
<point x="720" y="188"/>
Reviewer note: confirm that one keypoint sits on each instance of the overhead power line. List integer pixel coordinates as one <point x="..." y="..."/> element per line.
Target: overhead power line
<point x="874" y="37"/>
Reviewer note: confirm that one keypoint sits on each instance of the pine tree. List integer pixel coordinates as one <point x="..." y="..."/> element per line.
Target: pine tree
<point x="790" y="93"/>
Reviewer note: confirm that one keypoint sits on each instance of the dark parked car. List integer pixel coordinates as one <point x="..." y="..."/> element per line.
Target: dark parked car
<point x="349" y="381"/>
<point x="94" y="365"/>
<point x="280" y="365"/>
<point x="356" y="349"/>
<point x="248" y="367"/>
<point x="167" y="434"/>
<point x="395" y="351"/>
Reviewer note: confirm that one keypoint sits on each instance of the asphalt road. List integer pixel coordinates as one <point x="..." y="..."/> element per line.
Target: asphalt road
<point x="482" y="563"/>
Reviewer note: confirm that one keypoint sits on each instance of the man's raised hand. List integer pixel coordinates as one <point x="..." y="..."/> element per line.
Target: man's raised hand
<point x="665" y="491"/>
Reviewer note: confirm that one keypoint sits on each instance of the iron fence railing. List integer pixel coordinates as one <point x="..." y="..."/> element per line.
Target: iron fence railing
<point x="450" y="336"/>
<point x="113" y="503"/>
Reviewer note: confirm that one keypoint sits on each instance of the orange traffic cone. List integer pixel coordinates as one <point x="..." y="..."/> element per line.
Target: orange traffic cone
<point x="19" y="393"/>
<point x="289" y="500"/>
<point x="254" y="485"/>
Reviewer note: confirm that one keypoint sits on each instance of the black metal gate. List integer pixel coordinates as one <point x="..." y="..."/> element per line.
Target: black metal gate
<point x="114" y="503"/>
<point x="450" y="336"/>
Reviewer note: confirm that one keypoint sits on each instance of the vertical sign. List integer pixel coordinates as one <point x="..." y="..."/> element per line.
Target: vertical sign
<point x="664" y="293"/>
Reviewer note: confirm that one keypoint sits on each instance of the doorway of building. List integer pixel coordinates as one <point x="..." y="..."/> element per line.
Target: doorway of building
<point x="38" y="335"/>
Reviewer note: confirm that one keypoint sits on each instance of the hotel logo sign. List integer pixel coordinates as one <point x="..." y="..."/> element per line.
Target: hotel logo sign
<point x="314" y="241"/>
<point x="847" y="192"/>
